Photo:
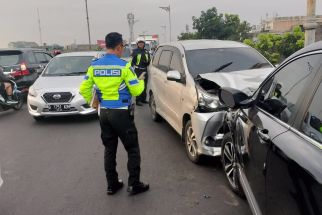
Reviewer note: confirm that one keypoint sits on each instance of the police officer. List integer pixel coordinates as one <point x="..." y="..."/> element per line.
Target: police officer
<point x="116" y="83"/>
<point x="140" y="61"/>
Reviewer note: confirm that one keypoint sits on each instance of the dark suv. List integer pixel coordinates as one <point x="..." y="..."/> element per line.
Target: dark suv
<point x="24" y="65"/>
<point x="272" y="150"/>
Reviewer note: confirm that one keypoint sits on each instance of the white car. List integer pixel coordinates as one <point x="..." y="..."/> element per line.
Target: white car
<point x="56" y="91"/>
<point x="184" y="80"/>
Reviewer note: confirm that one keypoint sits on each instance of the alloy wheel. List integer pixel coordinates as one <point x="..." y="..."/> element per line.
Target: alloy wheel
<point x="191" y="142"/>
<point x="229" y="163"/>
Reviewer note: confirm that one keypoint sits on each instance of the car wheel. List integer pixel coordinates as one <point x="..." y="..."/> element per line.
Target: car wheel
<point x="191" y="143"/>
<point x="153" y="109"/>
<point x="20" y="103"/>
<point x="229" y="162"/>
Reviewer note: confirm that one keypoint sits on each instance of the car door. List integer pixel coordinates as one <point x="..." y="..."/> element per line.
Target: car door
<point x="32" y="66"/>
<point x="280" y="100"/>
<point x="160" y="79"/>
<point x="294" y="171"/>
<point x="175" y="89"/>
<point x="41" y="58"/>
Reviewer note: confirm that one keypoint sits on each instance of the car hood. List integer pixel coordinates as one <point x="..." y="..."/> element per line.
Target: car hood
<point x="58" y="82"/>
<point x="246" y="80"/>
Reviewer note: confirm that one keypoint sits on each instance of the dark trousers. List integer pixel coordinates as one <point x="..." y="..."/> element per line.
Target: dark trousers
<point x="142" y="97"/>
<point x="119" y="124"/>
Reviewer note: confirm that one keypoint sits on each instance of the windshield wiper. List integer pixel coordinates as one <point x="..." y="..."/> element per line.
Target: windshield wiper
<point x="223" y="67"/>
<point x="258" y="65"/>
<point x="74" y="73"/>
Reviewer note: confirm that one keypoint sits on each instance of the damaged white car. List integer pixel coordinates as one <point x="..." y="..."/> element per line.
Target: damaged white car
<point x="184" y="79"/>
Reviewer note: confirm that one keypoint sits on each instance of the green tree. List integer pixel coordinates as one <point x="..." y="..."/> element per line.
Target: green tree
<point x="188" y="36"/>
<point x="277" y="47"/>
<point x="214" y="25"/>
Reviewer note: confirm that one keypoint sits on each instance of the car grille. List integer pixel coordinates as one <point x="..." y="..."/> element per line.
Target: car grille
<point x="59" y="97"/>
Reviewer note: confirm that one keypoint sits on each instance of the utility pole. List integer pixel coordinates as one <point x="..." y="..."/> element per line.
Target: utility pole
<point x="39" y="26"/>
<point x="168" y="9"/>
<point x="310" y="24"/>
<point x="165" y="32"/>
<point x="131" y="20"/>
<point x="88" y="28"/>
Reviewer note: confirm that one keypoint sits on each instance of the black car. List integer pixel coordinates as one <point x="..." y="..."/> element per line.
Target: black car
<point x="272" y="149"/>
<point x="24" y="65"/>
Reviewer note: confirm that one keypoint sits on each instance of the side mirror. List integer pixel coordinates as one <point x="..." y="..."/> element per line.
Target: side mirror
<point x="234" y="99"/>
<point x="174" y="76"/>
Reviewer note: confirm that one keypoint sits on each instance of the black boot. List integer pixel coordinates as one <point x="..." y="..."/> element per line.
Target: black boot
<point x="113" y="188"/>
<point x="139" y="103"/>
<point x="138" y="188"/>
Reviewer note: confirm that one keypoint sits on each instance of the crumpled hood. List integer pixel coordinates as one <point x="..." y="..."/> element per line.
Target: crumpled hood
<point x="246" y="80"/>
<point x="58" y="82"/>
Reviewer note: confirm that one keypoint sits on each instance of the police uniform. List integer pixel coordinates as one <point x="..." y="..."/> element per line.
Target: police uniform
<point x="140" y="61"/>
<point x="116" y="83"/>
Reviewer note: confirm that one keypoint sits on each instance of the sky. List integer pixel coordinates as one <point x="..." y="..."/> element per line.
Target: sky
<point x="64" y="21"/>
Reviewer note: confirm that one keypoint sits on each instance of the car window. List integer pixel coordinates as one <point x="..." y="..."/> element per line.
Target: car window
<point x="156" y="57"/>
<point x="202" y="61"/>
<point x="312" y="124"/>
<point x="280" y="95"/>
<point x="165" y="59"/>
<point x="176" y="62"/>
<point x="31" y="58"/>
<point x="48" y="57"/>
<point x="41" y="57"/>
<point x="9" y="58"/>
<point x="68" y="66"/>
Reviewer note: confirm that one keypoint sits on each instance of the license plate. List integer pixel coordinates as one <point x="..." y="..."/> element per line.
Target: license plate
<point x="59" y="108"/>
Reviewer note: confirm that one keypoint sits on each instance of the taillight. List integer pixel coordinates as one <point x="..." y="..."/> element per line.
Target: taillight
<point x="20" y="71"/>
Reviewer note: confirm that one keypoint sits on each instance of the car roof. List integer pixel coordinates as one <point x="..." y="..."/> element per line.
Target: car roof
<point x="79" y="54"/>
<point x="311" y="48"/>
<point x="205" y="44"/>
<point x="23" y="49"/>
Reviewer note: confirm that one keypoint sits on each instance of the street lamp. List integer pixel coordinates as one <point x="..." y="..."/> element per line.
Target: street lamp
<point x="168" y="9"/>
<point x="164" y="27"/>
<point x="88" y="28"/>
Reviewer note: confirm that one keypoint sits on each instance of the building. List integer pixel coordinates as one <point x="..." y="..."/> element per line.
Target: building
<point x="82" y="47"/>
<point x="23" y="44"/>
<point x="281" y="25"/>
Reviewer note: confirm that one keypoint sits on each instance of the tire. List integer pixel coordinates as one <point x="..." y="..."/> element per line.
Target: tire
<point x="20" y="103"/>
<point x="229" y="162"/>
<point x="190" y="143"/>
<point x="153" y="109"/>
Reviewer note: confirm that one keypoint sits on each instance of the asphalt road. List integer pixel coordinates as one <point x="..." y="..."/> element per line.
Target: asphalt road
<point x="56" y="167"/>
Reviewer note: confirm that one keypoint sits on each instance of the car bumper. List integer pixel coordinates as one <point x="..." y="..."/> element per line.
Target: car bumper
<point x="38" y="107"/>
<point x="208" y="131"/>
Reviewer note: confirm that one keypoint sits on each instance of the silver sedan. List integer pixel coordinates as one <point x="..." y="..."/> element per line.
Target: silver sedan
<point x="56" y="91"/>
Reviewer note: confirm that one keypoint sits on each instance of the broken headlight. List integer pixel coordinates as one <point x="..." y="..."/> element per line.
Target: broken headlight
<point x="207" y="101"/>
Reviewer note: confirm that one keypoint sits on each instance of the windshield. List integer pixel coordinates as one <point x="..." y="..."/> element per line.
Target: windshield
<point x="203" y="61"/>
<point x="61" y="66"/>
<point x="126" y="52"/>
<point x="9" y="58"/>
<point x="147" y="47"/>
<point x="134" y="46"/>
